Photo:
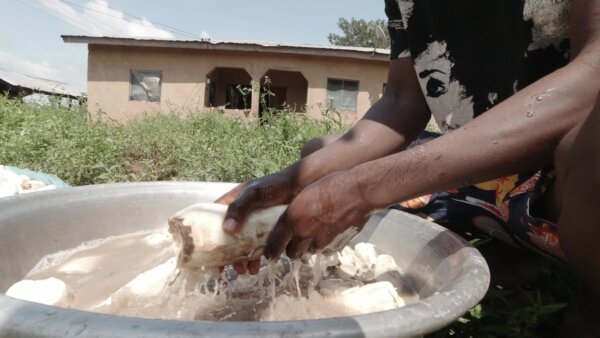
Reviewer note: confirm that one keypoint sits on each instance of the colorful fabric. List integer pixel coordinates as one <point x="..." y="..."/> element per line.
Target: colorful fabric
<point x="500" y="208"/>
<point x="470" y="55"/>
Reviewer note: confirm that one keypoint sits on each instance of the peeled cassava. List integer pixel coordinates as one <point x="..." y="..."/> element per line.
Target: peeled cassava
<point x="149" y="283"/>
<point x="51" y="291"/>
<point x="203" y="243"/>
<point x="378" y="296"/>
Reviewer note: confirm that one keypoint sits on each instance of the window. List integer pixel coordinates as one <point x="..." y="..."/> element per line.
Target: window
<point x="145" y="85"/>
<point x="342" y="94"/>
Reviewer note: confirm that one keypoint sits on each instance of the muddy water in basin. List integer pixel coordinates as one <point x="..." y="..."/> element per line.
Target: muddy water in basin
<point x="136" y="275"/>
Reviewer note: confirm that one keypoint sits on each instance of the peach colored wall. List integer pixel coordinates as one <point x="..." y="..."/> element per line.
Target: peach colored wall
<point x="184" y="74"/>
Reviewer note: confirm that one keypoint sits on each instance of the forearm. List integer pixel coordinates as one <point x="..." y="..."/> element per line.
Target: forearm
<point x="388" y="127"/>
<point x="518" y="135"/>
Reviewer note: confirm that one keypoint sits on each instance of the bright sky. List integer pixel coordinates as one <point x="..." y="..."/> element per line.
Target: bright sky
<point x="30" y="30"/>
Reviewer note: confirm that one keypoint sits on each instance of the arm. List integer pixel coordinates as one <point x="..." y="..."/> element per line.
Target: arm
<point x="389" y="126"/>
<point x="520" y="134"/>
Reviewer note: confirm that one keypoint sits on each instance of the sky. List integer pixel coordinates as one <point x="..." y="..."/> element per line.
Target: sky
<point x="30" y="30"/>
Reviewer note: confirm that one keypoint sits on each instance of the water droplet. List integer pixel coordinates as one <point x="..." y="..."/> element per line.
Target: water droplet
<point x="539" y="98"/>
<point x="530" y="108"/>
<point x="495" y="142"/>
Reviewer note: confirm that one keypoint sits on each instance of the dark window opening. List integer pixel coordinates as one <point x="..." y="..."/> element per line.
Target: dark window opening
<point x="238" y="96"/>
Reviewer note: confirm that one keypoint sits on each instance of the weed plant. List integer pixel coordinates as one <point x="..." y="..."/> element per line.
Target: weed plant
<point x="201" y="147"/>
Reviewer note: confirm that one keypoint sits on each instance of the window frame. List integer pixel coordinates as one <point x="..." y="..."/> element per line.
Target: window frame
<point x="343" y="93"/>
<point x="145" y="72"/>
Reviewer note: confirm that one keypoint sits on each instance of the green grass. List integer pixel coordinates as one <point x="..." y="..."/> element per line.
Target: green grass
<point x="202" y="146"/>
<point x="210" y="147"/>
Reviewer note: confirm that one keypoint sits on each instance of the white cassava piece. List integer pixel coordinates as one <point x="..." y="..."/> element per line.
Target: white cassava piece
<point x="378" y="296"/>
<point x="203" y="243"/>
<point x="14" y="184"/>
<point x="51" y="291"/>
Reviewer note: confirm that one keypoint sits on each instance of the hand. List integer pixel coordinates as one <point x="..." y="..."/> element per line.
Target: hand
<point x="317" y="215"/>
<point x="274" y="189"/>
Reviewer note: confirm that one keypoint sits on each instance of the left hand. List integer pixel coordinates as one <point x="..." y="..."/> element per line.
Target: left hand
<point x="319" y="212"/>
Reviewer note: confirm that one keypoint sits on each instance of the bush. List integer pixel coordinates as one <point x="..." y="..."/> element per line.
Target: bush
<point x="202" y="146"/>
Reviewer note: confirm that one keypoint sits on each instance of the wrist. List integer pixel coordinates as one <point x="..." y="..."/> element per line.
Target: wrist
<point x="298" y="176"/>
<point x="362" y="188"/>
<point x="304" y="172"/>
<point x="382" y="183"/>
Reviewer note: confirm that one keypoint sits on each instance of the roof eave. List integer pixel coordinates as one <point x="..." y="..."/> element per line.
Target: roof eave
<point x="334" y="51"/>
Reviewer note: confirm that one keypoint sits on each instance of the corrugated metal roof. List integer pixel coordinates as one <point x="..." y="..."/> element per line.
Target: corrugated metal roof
<point x="254" y="46"/>
<point x="38" y="84"/>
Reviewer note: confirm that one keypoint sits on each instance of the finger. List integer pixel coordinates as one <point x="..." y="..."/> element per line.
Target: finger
<point x="238" y="210"/>
<point x="240" y="267"/>
<point x="322" y="239"/>
<point x="231" y="195"/>
<point x="254" y="266"/>
<point x="278" y="237"/>
<point x="231" y="226"/>
<point x="297" y="247"/>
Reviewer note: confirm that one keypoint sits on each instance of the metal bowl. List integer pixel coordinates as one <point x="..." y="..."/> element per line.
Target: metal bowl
<point x="448" y="274"/>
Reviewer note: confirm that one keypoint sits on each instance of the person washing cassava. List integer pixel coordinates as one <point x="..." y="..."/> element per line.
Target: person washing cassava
<point x="514" y="86"/>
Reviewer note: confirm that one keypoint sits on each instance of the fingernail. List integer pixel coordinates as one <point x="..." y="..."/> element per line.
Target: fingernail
<point x="229" y="225"/>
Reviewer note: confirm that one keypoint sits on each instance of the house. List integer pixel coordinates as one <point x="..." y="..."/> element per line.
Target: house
<point x="131" y="76"/>
<point x="36" y="90"/>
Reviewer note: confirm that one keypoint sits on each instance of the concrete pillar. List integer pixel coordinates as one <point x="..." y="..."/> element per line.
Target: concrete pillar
<point x="255" y="106"/>
<point x="256" y="72"/>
